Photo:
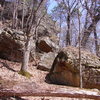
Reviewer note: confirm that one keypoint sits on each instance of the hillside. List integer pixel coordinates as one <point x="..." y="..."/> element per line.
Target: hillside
<point x="10" y="81"/>
<point x="46" y="56"/>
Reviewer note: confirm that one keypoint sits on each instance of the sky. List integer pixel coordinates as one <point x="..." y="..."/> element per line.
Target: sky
<point x="52" y="3"/>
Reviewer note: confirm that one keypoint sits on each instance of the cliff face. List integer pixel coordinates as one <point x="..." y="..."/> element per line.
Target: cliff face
<point x="67" y="71"/>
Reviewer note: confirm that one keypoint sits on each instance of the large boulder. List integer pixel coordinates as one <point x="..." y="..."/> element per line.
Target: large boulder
<point x="65" y="69"/>
<point x="9" y="48"/>
<point x="12" y="44"/>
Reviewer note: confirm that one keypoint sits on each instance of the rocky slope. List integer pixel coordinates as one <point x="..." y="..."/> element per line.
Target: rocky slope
<point x="10" y="80"/>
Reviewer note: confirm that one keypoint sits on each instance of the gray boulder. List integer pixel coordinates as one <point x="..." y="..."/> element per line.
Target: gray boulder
<point x="46" y="61"/>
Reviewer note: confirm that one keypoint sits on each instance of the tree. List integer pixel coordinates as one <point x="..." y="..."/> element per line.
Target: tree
<point x="58" y="15"/>
<point x="15" y="14"/>
<point x="23" y="15"/>
<point x="80" y="66"/>
<point x="68" y="9"/>
<point x="92" y="8"/>
<point x="31" y="25"/>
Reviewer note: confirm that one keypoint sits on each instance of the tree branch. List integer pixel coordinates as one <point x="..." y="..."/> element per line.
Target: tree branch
<point x="52" y="93"/>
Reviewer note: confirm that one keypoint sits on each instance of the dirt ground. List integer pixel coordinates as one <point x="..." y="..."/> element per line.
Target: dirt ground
<point x="9" y="77"/>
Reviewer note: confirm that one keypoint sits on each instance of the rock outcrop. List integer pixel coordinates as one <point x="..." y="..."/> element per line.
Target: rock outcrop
<point x="48" y="48"/>
<point x="12" y="43"/>
<point x="9" y="47"/>
<point x="46" y="61"/>
<point x="66" y="71"/>
<point x="45" y="44"/>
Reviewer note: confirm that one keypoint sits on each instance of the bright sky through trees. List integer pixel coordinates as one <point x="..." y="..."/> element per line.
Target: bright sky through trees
<point x="52" y="3"/>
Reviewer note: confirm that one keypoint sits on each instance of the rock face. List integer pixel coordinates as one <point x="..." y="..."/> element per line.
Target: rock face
<point x="44" y="44"/>
<point x="46" y="61"/>
<point x="9" y="47"/>
<point x="65" y="68"/>
<point x="11" y="44"/>
<point x="47" y="46"/>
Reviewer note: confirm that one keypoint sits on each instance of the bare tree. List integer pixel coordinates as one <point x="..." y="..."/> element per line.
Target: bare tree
<point x="69" y="9"/>
<point x="58" y="16"/>
<point x="80" y="66"/>
<point x="23" y="15"/>
<point x="96" y="41"/>
<point x="94" y="15"/>
<point x="1" y="11"/>
<point x="15" y="14"/>
<point x="31" y="26"/>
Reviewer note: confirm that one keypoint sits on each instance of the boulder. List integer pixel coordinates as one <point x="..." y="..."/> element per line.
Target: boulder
<point x="12" y="44"/>
<point x="45" y="44"/>
<point x="65" y="68"/>
<point x="46" y="61"/>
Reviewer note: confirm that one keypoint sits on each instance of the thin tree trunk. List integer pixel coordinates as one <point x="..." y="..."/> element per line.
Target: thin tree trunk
<point x="1" y="13"/>
<point x="68" y="41"/>
<point x="60" y="30"/>
<point x="80" y="66"/>
<point x="14" y="22"/>
<point x="16" y="15"/>
<point x="23" y="14"/>
<point x="96" y="42"/>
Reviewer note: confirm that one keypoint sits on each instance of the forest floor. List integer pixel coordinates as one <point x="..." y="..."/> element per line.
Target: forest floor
<point x="10" y="79"/>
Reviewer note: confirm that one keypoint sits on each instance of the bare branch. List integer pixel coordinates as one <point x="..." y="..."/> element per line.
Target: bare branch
<point x="73" y="4"/>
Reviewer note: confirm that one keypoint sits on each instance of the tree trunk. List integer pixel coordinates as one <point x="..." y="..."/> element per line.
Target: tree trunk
<point x="88" y="32"/>
<point x="68" y="41"/>
<point x="31" y="31"/>
<point x="80" y="66"/>
<point x="86" y="35"/>
<point x="36" y="91"/>
<point x="1" y="13"/>
<point x="26" y="54"/>
<point x="96" y="42"/>
<point x="23" y="14"/>
<point x="14" y="22"/>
